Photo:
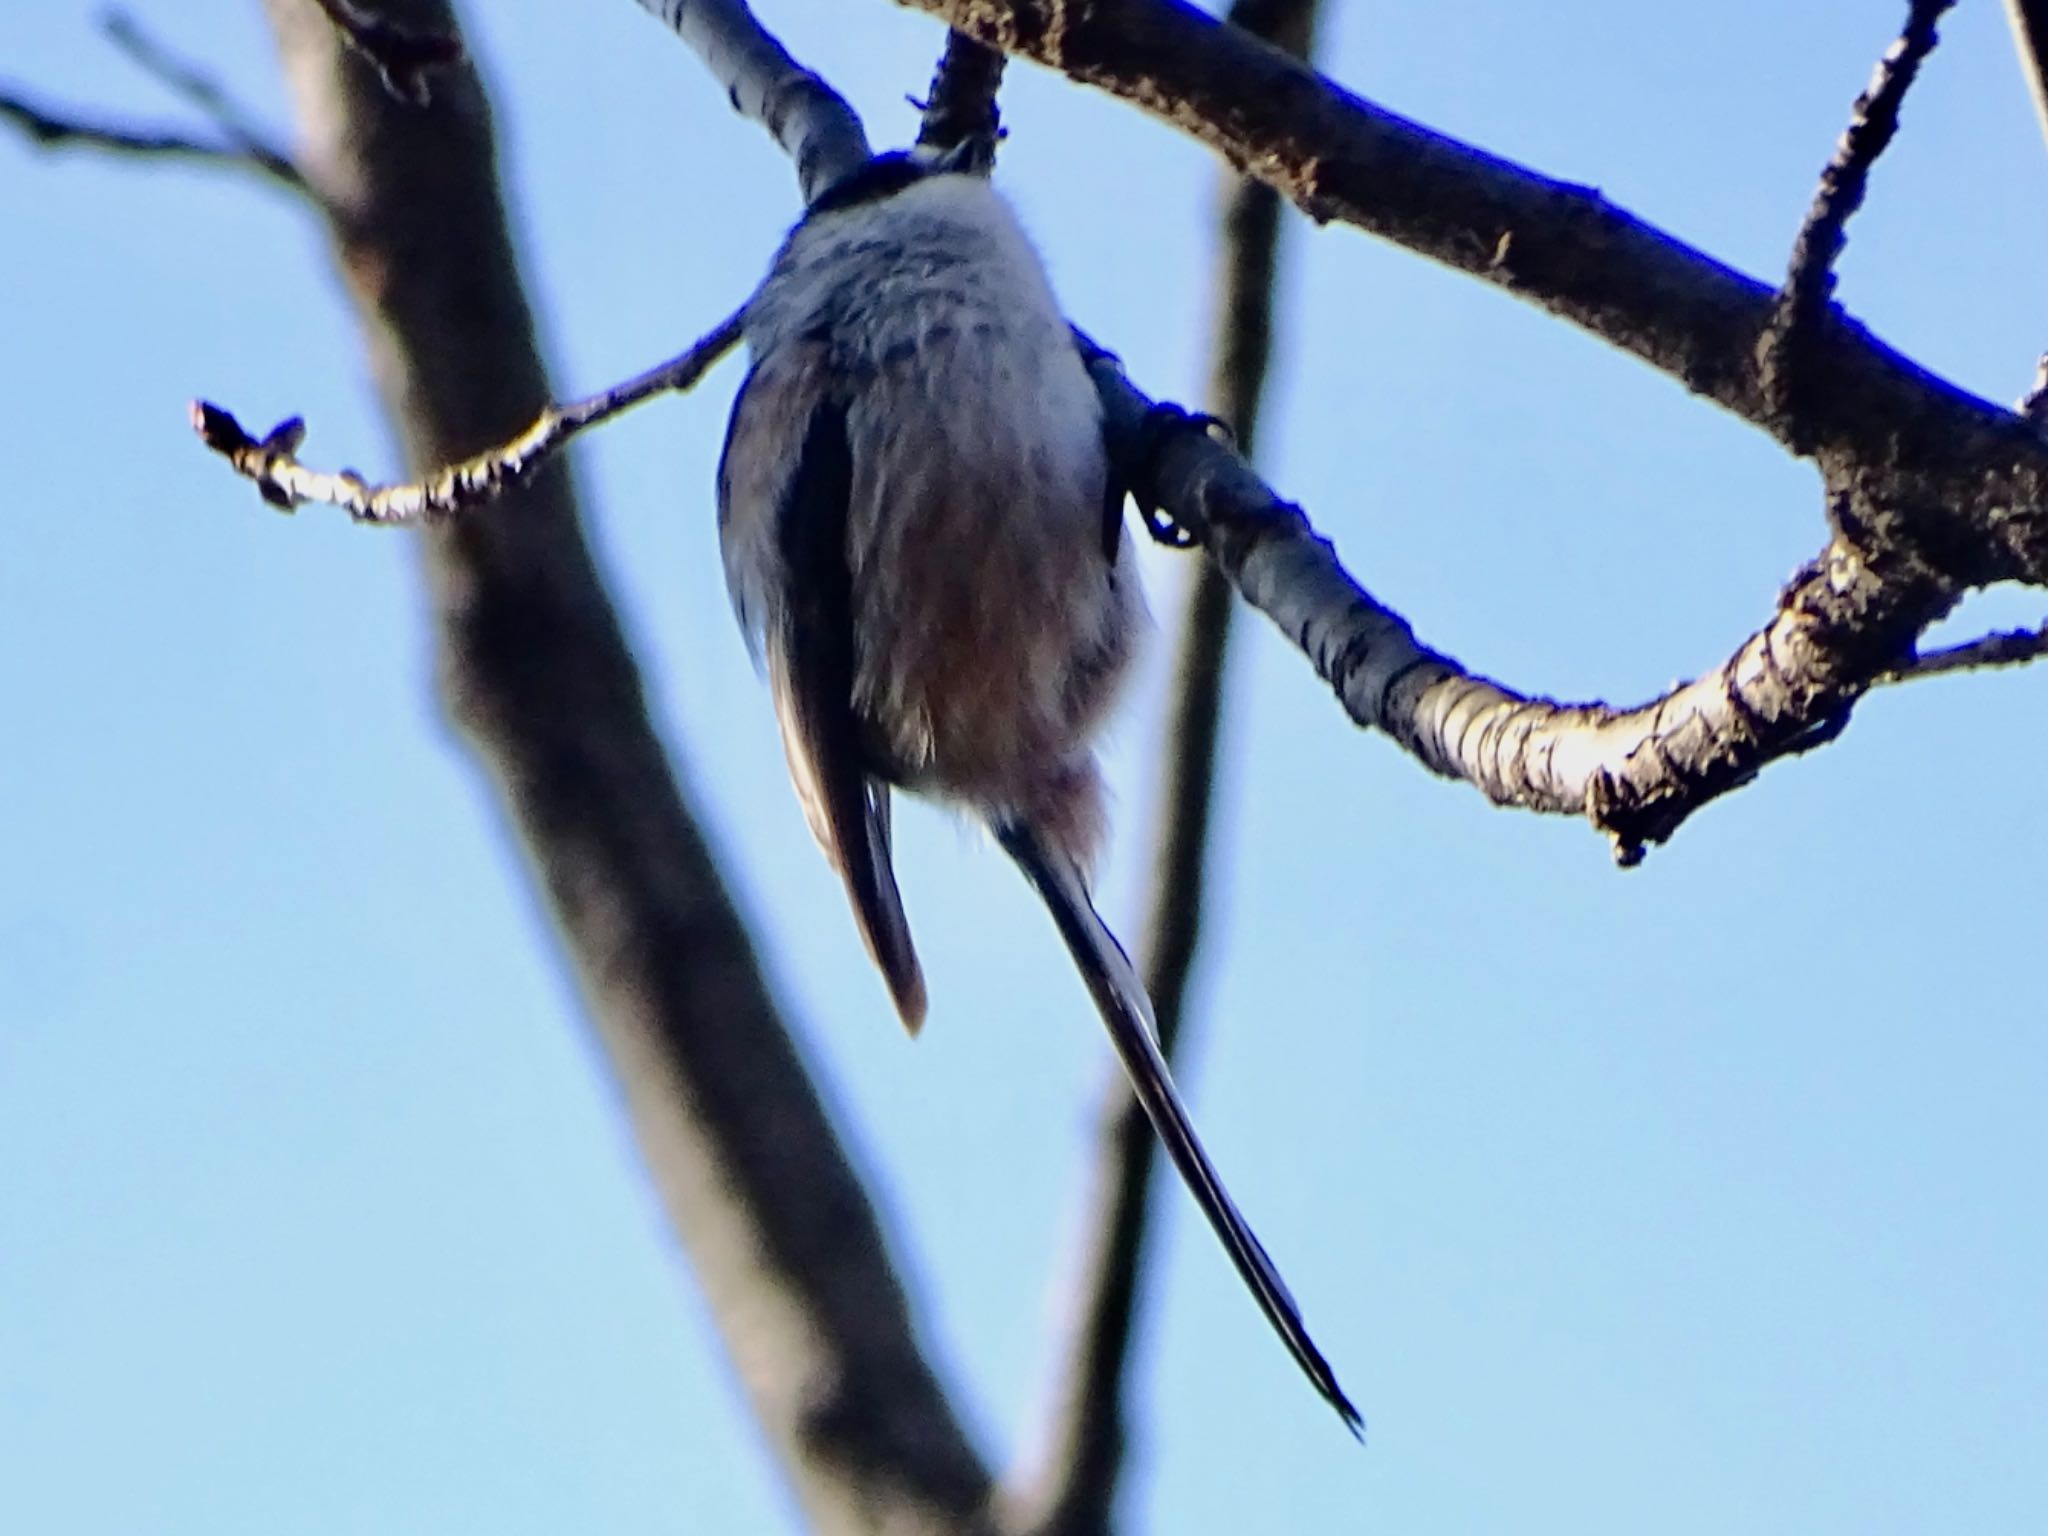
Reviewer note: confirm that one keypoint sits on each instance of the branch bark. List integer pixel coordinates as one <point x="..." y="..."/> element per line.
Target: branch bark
<point x="1785" y="351"/>
<point x="272" y="461"/>
<point x="961" y="103"/>
<point x="536" y="673"/>
<point x="1979" y="475"/>
<point x="1930" y="490"/>
<point x="820" y="133"/>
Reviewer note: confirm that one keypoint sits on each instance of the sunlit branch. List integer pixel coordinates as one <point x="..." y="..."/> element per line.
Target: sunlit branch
<point x="271" y="461"/>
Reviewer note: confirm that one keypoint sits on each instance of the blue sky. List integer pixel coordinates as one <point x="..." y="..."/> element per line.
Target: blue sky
<point x="1698" y="1198"/>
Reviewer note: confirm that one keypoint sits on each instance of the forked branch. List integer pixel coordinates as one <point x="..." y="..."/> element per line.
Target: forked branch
<point x="239" y="144"/>
<point x="1979" y="476"/>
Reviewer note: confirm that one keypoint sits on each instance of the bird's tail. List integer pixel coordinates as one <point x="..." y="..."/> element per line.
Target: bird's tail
<point x="1127" y="1012"/>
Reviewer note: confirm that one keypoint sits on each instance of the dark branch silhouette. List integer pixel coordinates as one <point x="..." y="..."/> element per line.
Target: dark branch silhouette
<point x="1786" y="349"/>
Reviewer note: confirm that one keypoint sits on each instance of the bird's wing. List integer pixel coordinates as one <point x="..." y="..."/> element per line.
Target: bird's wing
<point x="808" y="638"/>
<point x="1127" y="1012"/>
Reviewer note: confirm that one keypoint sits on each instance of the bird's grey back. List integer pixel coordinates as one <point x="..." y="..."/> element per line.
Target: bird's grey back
<point x="978" y="473"/>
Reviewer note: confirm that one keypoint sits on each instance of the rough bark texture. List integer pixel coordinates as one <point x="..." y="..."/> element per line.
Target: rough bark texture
<point x="1980" y="474"/>
<point x="537" y="675"/>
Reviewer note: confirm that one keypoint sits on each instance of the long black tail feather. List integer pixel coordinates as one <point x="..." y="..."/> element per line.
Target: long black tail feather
<point x="1127" y="1013"/>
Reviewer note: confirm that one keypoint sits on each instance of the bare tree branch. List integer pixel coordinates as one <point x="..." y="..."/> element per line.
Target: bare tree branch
<point x="2003" y="648"/>
<point x="789" y="1251"/>
<point x="1893" y="567"/>
<point x="1981" y="476"/>
<point x="961" y="103"/>
<point x="812" y="122"/>
<point x="1931" y="490"/>
<point x="241" y="146"/>
<point x="184" y="78"/>
<point x="1076" y="1488"/>
<point x="1635" y="773"/>
<point x="2029" y="20"/>
<point x="1787" y="344"/>
<point x="55" y="128"/>
<point x="405" y="60"/>
<point x="271" y="461"/>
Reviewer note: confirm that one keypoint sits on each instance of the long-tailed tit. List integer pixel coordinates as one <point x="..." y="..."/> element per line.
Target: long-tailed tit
<point x="923" y="536"/>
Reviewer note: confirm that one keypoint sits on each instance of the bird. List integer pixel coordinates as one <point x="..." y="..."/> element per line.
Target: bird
<point x="923" y="539"/>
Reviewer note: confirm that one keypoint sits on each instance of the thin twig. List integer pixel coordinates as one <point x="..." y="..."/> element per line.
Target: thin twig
<point x="405" y="60"/>
<point x="55" y="129"/>
<point x="247" y="146"/>
<point x="2029" y="20"/>
<point x="271" y="460"/>
<point x="188" y="80"/>
<point x="2003" y="648"/>
<point x="1786" y="347"/>
<point x="1086" y="1445"/>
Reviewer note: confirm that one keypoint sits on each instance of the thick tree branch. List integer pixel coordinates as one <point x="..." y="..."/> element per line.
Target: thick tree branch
<point x="819" y="132"/>
<point x="1911" y="531"/>
<point x="961" y="103"/>
<point x="1785" y="351"/>
<point x="1076" y="1490"/>
<point x="405" y="60"/>
<point x="1896" y="564"/>
<point x="534" y="668"/>
<point x="2029" y="20"/>
<point x="1979" y="476"/>
<point x="1636" y="773"/>
<point x="272" y="460"/>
